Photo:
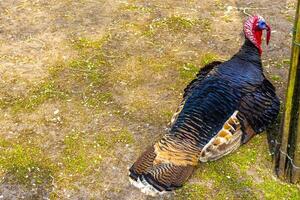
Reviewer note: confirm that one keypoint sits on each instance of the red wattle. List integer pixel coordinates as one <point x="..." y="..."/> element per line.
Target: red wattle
<point x="268" y="34"/>
<point x="257" y="42"/>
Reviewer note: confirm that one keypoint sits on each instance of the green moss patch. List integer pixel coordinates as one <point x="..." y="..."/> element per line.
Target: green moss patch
<point x="274" y="190"/>
<point x="192" y="191"/>
<point x="25" y="164"/>
<point x="42" y="93"/>
<point x="36" y="96"/>
<point x="82" y="153"/>
<point x="76" y="155"/>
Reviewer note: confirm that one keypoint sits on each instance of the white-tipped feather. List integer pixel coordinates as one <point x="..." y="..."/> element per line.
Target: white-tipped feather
<point x="145" y="187"/>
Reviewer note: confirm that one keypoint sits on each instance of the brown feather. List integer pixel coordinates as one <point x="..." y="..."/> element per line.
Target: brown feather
<point x="167" y="164"/>
<point x="144" y="162"/>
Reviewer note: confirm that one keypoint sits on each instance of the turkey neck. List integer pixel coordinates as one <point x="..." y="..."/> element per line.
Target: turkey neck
<point x="249" y="52"/>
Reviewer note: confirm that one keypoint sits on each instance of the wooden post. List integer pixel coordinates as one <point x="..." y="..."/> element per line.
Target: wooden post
<point x="287" y="162"/>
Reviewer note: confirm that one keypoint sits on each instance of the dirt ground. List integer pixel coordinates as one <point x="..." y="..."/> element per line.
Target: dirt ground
<point x="85" y="85"/>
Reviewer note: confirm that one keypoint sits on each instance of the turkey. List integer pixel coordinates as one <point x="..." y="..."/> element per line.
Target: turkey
<point x="222" y="108"/>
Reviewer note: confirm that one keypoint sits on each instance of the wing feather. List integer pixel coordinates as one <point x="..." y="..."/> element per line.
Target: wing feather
<point x="203" y="72"/>
<point x="260" y="108"/>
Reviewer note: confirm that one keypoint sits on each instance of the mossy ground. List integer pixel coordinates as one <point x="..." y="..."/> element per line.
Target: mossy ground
<point x="84" y="91"/>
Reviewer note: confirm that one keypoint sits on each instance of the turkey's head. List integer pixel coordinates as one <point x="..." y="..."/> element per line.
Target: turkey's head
<point x="253" y="29"/>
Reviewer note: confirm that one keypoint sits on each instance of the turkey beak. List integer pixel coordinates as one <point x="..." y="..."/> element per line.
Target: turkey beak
<point x="268" y="34"/>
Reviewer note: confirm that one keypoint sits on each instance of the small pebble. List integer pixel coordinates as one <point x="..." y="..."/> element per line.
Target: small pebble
<point x="56" y="112"/>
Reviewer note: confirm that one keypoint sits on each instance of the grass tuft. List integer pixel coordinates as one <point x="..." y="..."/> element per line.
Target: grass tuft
<point x="124" y="136"/>
<point x="129" y="7"/>
<point x="276" y="78"/>
<point x="208" y="58"/>
<point x="188" y="71"/>
<point x="82" y="43"/>
<point x="177" y="24"/>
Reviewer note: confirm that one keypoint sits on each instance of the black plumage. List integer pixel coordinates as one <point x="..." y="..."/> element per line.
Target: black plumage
<point x="238" y="84"/>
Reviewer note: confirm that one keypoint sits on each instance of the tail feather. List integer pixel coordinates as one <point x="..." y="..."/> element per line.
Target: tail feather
<point x="143" y="163"/>
<point x="168" y="177"/>
<point x="155" y="172"/>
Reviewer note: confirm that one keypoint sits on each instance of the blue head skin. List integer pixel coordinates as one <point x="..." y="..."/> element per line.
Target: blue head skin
<point x="262" y="24"/>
